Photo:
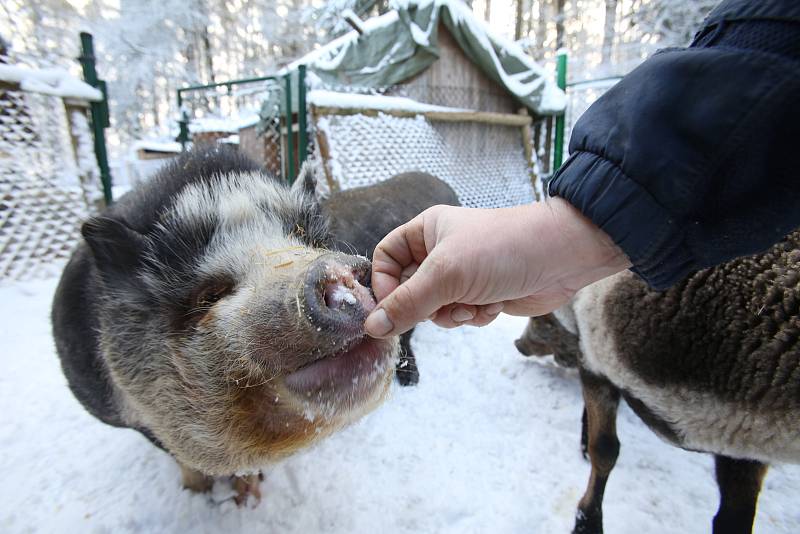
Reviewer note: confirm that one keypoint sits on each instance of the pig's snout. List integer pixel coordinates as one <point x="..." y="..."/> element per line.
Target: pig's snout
<point x="337" y="294"/>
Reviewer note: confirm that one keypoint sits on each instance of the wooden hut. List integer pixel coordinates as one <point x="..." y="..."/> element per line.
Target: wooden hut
<point x="429" y="88"/>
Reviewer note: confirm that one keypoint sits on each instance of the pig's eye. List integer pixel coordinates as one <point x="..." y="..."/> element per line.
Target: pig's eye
<point x="210" y="293"/>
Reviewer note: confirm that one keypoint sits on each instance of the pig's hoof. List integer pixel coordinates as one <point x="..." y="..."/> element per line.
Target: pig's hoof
<point x="520" y="344"/>
<point x="196" y="481"/>
<point x="247" y="486"/>
<point x="407" y="372"/>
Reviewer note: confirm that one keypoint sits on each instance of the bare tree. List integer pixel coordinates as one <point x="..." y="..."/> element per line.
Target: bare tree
<point x="609" y="30"/>
<point x="518" y="19"/>
<point x="560" y="34"/>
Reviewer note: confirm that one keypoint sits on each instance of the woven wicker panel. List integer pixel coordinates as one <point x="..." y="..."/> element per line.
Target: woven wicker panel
<point x="483" y="163"/>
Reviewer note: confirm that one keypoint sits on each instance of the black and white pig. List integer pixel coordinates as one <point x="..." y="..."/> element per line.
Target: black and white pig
<point x="206" y="310"/>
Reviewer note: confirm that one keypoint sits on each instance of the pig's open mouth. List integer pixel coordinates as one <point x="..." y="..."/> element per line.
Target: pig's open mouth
<point x="363" y="363"/>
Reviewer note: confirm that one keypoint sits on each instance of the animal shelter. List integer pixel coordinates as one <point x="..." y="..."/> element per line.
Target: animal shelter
<point x="425" y="87"/>
<point x="428" y="87"/>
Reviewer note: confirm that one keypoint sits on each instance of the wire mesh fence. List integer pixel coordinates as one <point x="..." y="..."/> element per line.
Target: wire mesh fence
<point x="484" y="163"/>
<point x="490" y="162"/>
<point x="48" y="182"/>
<point x="230" y="113"/>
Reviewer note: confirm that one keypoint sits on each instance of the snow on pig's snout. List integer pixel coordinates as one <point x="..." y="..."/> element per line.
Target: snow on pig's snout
<point x="337" y="294"/>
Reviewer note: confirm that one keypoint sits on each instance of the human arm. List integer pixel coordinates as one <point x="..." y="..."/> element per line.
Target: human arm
<point x="468" y="264"/>
<point x="689" y="161"/>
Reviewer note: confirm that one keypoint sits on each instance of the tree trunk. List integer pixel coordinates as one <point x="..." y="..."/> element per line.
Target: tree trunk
<point x="540" y="37"/>
<point x="609" y="30"/>
<point x="560" y="24"/>
<point x="518" y="20"/>
<point x="487" y="12"/>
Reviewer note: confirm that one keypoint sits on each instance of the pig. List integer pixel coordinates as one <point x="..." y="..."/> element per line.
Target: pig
<point x="206" y="310"/>
<point x="362" y="216"/>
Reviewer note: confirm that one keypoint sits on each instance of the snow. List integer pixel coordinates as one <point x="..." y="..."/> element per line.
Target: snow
<point x="488" y="442"/>
<point x="379" y="102"/>
<point x="223" y="124"/>
<point x="553" y="99"/>
<point x="156" y="146"/>
<point x="328" y="56"/>
<point x="54" y="82"/>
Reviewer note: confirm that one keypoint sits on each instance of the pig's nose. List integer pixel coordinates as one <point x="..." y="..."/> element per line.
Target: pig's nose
<point x="337" y="294"/>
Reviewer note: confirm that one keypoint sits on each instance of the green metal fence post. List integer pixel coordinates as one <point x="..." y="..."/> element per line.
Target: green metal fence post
<point x="302" y="114"/>
<point x="289" y="140"/>
<point x="561" y="80"/>
<point x="99" y="112"/>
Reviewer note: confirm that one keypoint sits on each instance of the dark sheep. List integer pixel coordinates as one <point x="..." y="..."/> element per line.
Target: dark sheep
<point x="710" y="365"/>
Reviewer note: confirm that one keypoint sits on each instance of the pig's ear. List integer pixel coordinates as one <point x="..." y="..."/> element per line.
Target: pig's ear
<point x="306" y="181"/>
<point x="116" y="247"/>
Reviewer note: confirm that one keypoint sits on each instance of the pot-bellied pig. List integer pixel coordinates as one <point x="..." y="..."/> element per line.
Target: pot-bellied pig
<point x="362" y="216"/>
<point x="710" y="365"/>
<point x="206" y="310"/>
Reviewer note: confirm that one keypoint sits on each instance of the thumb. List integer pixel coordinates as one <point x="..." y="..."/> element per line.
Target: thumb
<point x="411" y="302"/>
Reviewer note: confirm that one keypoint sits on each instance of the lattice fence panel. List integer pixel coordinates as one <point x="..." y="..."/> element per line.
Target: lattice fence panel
<point x="42" y="197"/>
<point x="483" y="163"/>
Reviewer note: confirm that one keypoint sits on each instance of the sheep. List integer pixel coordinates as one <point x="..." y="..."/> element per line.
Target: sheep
<point x="710" y="365"/>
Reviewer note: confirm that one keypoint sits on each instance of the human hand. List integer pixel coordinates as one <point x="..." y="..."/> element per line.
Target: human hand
<point x="463" y="265"/>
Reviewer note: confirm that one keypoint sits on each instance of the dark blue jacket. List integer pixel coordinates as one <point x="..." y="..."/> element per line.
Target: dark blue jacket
<point x="694" y="157"/>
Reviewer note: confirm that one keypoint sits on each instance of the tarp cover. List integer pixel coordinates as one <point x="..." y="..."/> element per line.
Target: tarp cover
<point x="400" y="44"/>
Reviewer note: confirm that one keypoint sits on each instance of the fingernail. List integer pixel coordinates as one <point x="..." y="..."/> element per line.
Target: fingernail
<point x="378" y="323"/>
<point x="460" y="315"/>
<point x="494" y="309"/>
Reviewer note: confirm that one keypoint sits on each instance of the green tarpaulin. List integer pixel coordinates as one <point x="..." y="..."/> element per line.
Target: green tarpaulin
<point x="404" y="42"/>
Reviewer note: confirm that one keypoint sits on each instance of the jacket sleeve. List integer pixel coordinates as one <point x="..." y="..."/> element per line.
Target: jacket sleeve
<point x="690" y="160"/>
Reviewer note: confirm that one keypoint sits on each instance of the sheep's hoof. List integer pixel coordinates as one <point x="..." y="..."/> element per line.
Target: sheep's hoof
<point x="588" y="523"/>
<point x="522" y="347"/>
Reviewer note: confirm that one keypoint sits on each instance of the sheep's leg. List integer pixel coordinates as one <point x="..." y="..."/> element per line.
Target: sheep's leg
<point x="739" y="484"/>
<point x="407" y="372"/>
<point x="584" y="435"/>
<point x="601" y="400"/>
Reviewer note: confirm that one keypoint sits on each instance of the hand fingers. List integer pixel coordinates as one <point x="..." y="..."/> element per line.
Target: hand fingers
<point x="401" y="248"/>
<point x="409" y="303"/>
<point x="454" y="315"/>
<point x="486" y="314"/>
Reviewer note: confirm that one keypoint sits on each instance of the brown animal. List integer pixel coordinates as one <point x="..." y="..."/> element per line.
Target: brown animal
<point x="711" y="365"/>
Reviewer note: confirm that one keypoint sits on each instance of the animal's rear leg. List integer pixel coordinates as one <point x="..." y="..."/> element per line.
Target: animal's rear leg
<point x="739" y="484"/>
<point x="407" y="372"/>
<point x="584" y="435"/>
<point x="601" y="400"/>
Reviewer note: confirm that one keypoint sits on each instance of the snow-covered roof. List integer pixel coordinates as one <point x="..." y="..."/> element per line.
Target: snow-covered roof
<point x="156" y="145"/>
<point x="223" y="124"/>
<point x="54" y="82"/>
<point x="334" y="99"/>
<point x="401" y="43"/>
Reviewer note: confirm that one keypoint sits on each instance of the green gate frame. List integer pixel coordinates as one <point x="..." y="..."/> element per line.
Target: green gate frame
<point x="285" y="83"/>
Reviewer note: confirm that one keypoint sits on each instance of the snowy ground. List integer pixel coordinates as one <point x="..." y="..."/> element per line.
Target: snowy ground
<point x="488" y="442"/>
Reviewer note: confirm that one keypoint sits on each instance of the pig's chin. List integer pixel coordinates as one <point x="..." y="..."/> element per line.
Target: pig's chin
<point x="350" y="374"/>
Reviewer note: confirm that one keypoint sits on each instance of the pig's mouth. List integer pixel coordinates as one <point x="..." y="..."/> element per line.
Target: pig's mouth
<point x="357" y="369"/>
